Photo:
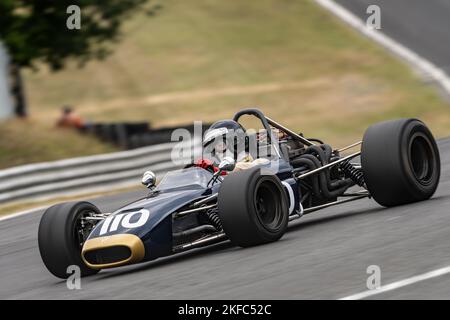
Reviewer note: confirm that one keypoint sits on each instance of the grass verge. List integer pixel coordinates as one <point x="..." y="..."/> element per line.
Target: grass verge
<point x="202" y="60"/>
<point x="28" y="141"/>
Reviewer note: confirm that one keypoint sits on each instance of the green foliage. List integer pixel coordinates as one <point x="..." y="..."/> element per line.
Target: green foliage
<point x="36" y="29"/>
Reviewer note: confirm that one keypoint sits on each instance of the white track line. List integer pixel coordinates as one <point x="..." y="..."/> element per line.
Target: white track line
<point x="74" y="194"/>
<point x="399" y="284"/>
<point x="420" y="63"/>
<point x="21" y="213"/>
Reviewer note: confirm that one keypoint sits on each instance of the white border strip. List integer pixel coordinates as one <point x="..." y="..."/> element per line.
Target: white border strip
<point x="423" y="65"/>
<point x="21" y="213"/>
<point x="399" y="284"/>
<point x="77" y="193"/>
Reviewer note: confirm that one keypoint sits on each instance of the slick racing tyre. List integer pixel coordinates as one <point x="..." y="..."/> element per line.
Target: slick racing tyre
<point x="253" y="207"/>
<point x="400" y="161"/>
<point x="61" y="237"/>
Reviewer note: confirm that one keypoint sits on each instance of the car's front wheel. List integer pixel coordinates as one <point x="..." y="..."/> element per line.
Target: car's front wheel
<point x="253" y="207"/>
<point x="62" y="232"/>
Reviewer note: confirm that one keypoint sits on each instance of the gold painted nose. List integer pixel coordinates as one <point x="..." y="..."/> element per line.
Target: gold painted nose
<point x="112" y="251"/>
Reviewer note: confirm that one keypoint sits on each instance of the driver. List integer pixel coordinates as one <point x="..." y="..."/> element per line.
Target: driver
<point x="228" y="138"/>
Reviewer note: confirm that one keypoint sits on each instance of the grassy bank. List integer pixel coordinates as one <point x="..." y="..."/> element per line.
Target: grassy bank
<point x="28" y="141"/>
<point x="205" y="59"/>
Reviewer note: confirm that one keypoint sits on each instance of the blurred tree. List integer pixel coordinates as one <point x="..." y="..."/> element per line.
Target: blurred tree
<point x="39" y="31"/>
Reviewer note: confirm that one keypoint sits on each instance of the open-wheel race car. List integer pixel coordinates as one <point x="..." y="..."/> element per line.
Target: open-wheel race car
<point x="249" y="202"/>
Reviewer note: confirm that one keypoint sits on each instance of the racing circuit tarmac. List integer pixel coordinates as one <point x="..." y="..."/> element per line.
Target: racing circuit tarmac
<point x="323" y="256"/>
<point x="422" y="26"/>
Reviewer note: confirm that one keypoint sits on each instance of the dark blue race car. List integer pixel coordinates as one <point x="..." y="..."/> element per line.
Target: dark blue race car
<point x="207" y="203"/>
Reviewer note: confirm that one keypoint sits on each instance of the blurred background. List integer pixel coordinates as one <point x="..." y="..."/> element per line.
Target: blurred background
<point x="137" y="66"/>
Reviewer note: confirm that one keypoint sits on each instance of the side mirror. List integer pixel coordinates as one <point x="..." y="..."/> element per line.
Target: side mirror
<point x="149" y="179"/>
<point x="227" y="164"/>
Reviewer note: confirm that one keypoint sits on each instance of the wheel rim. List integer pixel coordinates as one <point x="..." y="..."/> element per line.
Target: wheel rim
<point x="421" y="158"/>
<point x="267" y="203"/>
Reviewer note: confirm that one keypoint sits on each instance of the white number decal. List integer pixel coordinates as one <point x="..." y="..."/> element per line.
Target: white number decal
<point x="125" y="222"/>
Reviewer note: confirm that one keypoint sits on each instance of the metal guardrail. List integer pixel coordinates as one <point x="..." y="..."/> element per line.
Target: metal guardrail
<point x="43" y="180"/>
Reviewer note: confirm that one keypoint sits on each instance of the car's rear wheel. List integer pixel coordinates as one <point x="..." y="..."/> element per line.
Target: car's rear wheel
<point x="253" y="207"/>
<point x="62" y="232"/>
<point x="400" y="161"/>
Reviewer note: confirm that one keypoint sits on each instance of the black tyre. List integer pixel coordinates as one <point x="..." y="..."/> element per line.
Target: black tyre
<point x="253" y="208"/>
<point x="60" y="241"/>
<point x="400" y="161"/>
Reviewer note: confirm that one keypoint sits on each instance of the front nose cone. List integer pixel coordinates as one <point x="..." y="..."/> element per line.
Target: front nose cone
<point x="112" y="251"/>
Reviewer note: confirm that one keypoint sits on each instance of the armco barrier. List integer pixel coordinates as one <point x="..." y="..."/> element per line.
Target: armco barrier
<point x="64" y="176"/>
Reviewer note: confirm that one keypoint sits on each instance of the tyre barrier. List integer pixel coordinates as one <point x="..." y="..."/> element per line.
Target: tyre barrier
<point x="134" y="135"/>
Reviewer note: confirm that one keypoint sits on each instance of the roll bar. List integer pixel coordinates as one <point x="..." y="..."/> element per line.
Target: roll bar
<point x="267" y="122"/>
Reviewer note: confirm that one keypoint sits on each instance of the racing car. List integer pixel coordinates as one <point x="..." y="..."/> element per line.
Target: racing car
<point x="397" y="162"/>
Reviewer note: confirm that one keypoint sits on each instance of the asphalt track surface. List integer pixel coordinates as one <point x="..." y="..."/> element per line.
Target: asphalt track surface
<point x="323" y="256"/>
<point x="421" y="25"/>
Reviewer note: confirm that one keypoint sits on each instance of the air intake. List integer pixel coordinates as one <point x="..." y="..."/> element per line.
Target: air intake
<point x="108" y="255"/>
<point x="112" y="251"/>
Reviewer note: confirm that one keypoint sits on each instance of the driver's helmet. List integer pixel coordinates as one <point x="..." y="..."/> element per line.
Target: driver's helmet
<point x="224" y="138"/>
